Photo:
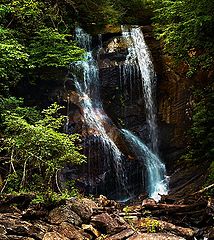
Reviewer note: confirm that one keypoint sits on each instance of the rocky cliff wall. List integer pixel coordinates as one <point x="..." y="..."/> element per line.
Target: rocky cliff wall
<point x="124" y="101"/>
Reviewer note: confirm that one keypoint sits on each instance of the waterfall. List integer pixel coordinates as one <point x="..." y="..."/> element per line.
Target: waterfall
<point x="156" y="180"/>
<point x="129" y="71"/>
<point x="148" y="82"/>
<point x="94" y="115"/>
<point x="138" y="53"/>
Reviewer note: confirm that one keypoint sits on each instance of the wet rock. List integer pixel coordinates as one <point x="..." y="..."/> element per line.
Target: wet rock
<point x="154" y="236"/>
<point x="105" y="202"/>
<point x="64" y="214"/>
<point x="87" y="236"/>
<point x="2" y="229"/>
<point x="14" y="237"/>
<point x="34" y="212"/>
<point x="54" y="236"/>
<point x="69" y="231"/>
<point x="107" y="224"/>
<point x="20" y="228"/>
<point x="149" y="202"/>
<point x="91" y="230"/>
<point x="82" y="208"/>
<point x="13" y="226"/>
<point x="3" y="237"/>
<point x="39" y="229"/>
<point x="90" y="203"/>
<point x="9" y="209"/>
<point x="209" y="233"/>
<point x="121" y="235"/>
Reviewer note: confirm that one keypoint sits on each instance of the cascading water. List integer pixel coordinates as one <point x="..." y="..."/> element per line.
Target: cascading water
<point x="93" y="112"/>
<point x="156" y="180"/>
<point x="129" y="71"/>
<point x="139" y="53"/>
<point x="149" y="83"/>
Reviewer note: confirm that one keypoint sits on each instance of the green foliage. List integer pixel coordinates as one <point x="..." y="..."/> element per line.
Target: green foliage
<point x="202" y="126"/>
<point x="37" y="149"/>
<point x="201" y="148"/>
<point x="186" y="26"/>
<point x="33" y="35"/>
<point x="49" y="48"/>
<point x="52" y="197"/>
<point x="210" y="179"/>
<point x="150" y="224"/>
<point x="13" y="58"/>
<point x="16" y="106"/>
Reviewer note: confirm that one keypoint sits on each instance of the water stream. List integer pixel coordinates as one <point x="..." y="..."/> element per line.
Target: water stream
<point x="139" y="54"/>
<point x="94" y="115"/>
<point x="138" y="65"/>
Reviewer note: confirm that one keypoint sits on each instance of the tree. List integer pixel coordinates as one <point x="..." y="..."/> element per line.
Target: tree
<point x="37" y="150"/>
<point x="185" y="27"/>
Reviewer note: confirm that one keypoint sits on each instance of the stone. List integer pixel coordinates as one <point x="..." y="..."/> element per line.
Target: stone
<point x="19" y="228"/>
<point x="149" y="202"/>
<point x="121" y="235"/>
<point x="3" y="230"/>
<point x="14" y="237"/>
<point x="3" y="237"/>
<point x="69" y="231"/>
<point x="39" y="229"/>
<point x="90" y="203"/>
<point x="105" y="202"/>
<point x="155" y="236"/>
<point x="34" y="213"/>
<point x="14" y="227"/>
<point x="54" y="236"/>
<point x="209" y="233"/>
<point x="91" y="229"/>
<point x="107" y="224"/>
<point x="82" y="208"/>
<point x="64" y="214"/>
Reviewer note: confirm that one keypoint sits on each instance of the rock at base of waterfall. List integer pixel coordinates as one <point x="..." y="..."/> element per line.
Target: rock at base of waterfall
<point x="107" y="224"/>
<point x="64" y="214"/>
<point x="69" y="231"/>
<point x="155" y="236"/>
<point x="82" y="207"/>
<point x="122" y="235"/>
<point x="54" y="236"/>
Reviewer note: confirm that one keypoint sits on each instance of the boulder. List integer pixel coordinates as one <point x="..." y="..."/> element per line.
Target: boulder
<point x="3" y="229"/>
<point x="64" y="214"/>
<point x="69" y="231"/>
<point x="3" y="237"/>
<point x="154" y="236"/>
<point x="125" y="234"/>
<point x="107" y="224"/>
<point x="54" y="236"/>
<point x="91" y="230"/>
<point x="82" y="207"/>
<point x="14" y="237"/>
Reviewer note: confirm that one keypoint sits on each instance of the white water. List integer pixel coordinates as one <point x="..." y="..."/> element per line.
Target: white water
<point x="148" y="82"/>
<point x="93" y="112"/>
<point x="129" y="71"/>
<point x="157" y="183"/>
<point x="138" y="53"/>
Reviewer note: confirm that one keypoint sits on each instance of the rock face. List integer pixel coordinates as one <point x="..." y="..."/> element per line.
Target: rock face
<point x="124" y="102"/>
